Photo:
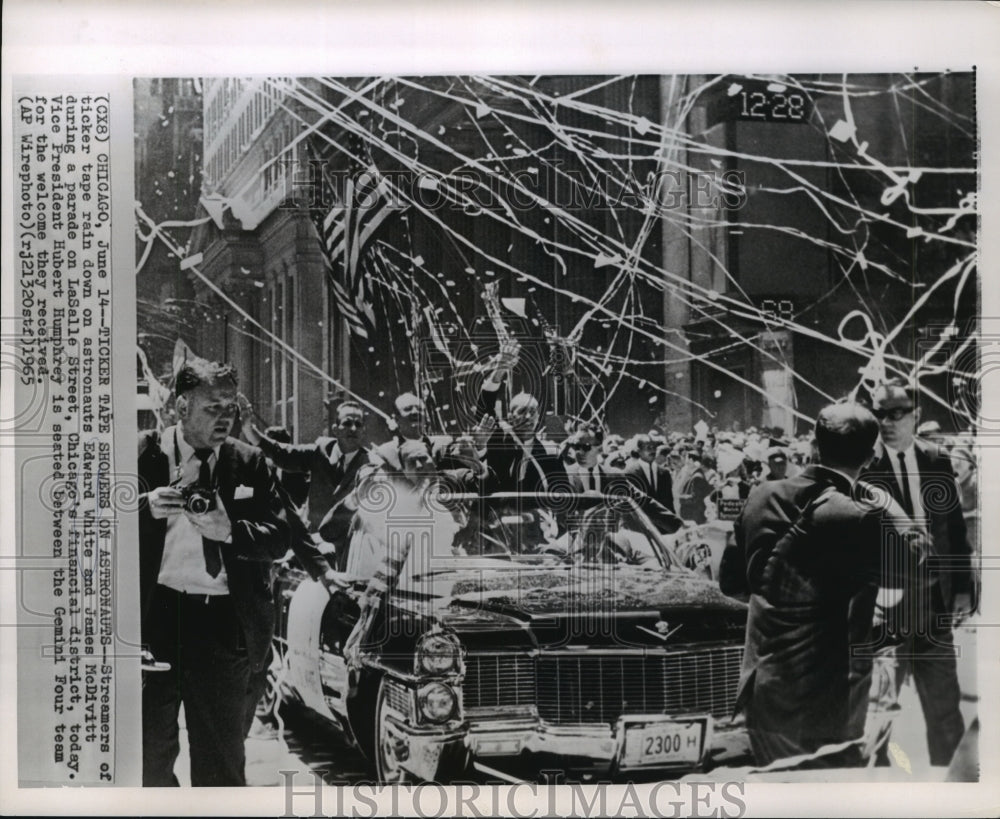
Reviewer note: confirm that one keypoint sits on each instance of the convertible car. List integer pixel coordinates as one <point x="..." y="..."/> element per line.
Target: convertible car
<point x="518" y="633"/>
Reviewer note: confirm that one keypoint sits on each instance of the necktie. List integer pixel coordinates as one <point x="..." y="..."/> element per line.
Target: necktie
<point x="595" y="479"/>
<point x="905" y="478"/>
<point x="210" y="549"/>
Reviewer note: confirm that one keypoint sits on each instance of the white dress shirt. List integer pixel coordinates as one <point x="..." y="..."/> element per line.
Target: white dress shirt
<point x="182" y="566"/>
<point x="589" y="477"/>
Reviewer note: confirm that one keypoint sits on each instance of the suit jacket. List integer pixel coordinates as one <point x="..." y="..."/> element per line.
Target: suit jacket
<point x="801" y="675"/>
<point x="664" y="492"/>
<point x="260" y="533"/>
<point x="505" y="456"/>
<point x="658" y="504"/>
<point x="606" y="476"/>
<point x="692" y="498"/>
<point x="323" y="456"/>
<point x="951" y="566"/>
<point x="386" y="455"/>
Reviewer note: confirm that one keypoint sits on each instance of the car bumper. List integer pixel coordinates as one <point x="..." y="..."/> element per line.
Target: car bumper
<point x="439" y="755"/>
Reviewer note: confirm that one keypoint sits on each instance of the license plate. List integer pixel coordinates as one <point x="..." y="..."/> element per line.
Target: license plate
<point x="663" y="742"/>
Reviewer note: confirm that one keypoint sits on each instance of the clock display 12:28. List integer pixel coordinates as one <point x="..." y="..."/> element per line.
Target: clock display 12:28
<point x="763" y="104"/>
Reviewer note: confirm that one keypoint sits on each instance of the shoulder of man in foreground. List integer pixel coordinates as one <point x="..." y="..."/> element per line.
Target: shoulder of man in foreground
<point x="245" y="451"/>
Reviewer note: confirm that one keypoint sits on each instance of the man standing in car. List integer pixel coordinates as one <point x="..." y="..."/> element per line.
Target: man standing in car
<point x="338" y="458"/>
<point x="518" y="461"/>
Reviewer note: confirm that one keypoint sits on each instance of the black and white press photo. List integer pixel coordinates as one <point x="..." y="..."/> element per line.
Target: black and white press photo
<point x="617" y="426"/>
<point x="455" y="410"/>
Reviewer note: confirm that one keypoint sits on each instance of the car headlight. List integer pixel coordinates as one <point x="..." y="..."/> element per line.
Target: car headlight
<point x="437" y="701"/>
<point x="438" y="652"/>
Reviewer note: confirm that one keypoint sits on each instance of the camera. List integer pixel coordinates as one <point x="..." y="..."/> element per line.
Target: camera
<point x="197" y="499"/>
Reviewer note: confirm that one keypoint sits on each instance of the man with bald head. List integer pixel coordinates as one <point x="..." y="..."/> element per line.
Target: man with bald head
<point x="920" y="476"/>
<point x="815" y="551"/>
<point x="409" y="415"/>
<point x="517" y="460"/>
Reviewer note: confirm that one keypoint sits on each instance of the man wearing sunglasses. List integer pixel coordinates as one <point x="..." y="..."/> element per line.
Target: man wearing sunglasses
<point x="919" y="475"/>
<point x="587" y="474"/>
<point x="337" y="458"/>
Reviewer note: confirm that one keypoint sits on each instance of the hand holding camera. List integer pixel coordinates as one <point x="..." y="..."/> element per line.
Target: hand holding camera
<point x="165" y="501"/>
<point x="201" y="504"/>
<point x="204" y="509"/>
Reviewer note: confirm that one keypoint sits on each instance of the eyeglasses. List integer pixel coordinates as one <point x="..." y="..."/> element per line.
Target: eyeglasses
<point x="351" y="424"/>
<point x="894" y="414"/>
<point x="582" y="447"/>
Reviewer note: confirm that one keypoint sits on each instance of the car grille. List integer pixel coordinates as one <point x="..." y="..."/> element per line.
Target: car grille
<point x="575" y="688"/>
<point x="399" y="697"/>
<point x="498" y="680"/>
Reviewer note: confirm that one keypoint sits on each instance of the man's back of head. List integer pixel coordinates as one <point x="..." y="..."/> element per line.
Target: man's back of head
<point x="845" y="436"/>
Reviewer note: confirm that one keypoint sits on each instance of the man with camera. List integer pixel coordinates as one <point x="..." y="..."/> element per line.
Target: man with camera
<point x="211" y="521"/>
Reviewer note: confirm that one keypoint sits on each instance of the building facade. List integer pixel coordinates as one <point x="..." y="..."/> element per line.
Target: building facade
<point x="668" y="249"/>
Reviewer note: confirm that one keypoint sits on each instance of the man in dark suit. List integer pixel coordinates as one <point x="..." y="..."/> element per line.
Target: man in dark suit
<point x="653" y="479"/>
<point x="695" y="488"/>
<point x="338" y="458"/>
<point x="656" y="492"/>
<point x="517" y="460"/>
<point x="814" y="549"/>
<point x="586" y="473"/>
<point x="207" y="609"/>
<point x="920" y="477"/>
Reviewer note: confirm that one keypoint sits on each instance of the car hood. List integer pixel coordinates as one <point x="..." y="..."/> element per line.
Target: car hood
<point x="562" y="598"/>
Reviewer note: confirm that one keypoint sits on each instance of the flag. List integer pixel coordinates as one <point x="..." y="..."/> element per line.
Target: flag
<point x="345" y="232"/>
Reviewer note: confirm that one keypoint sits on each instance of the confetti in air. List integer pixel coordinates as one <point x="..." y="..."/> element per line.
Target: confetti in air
<point x="440" y="184"/>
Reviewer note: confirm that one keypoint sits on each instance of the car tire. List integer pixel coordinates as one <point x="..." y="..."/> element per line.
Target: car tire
<point x="387" y="765"/>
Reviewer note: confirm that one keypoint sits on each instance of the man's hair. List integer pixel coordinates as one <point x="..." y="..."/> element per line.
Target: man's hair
<point x="400" y="397"/>
<point x="408" y="449"/>
<point x="895" y="384"/>
<point x="350" y="405"/>
<point x="279" y="434"/>
<point x="845" y="434"/>
<point x="587" y="428"/>
<point x="525" y="398"/>
<point x="635" y="443"/>
<point x="196" y="372"/>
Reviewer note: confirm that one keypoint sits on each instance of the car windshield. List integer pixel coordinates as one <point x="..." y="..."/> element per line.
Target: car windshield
<point x="574" y="529"/>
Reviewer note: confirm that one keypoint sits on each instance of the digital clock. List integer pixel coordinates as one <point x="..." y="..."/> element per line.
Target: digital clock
<point x="760" y="101"/>
<point x="772" y="106"/>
